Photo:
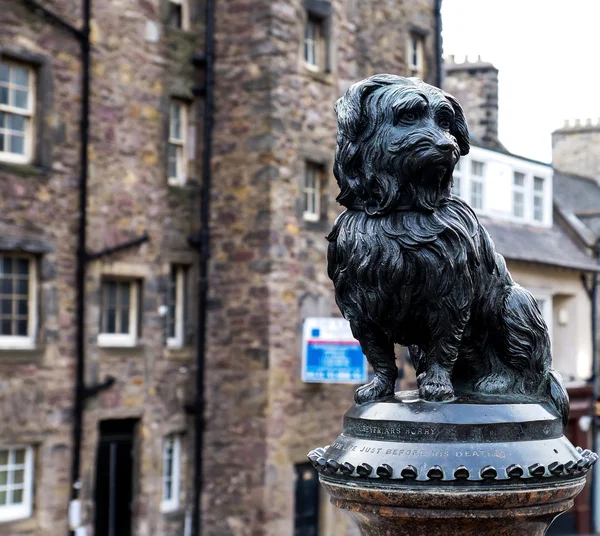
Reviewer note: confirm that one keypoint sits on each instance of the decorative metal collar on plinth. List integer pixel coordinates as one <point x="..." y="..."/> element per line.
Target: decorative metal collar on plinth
<point x="481" y="443"/>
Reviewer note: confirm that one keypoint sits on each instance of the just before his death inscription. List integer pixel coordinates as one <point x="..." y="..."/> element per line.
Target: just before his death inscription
<point x="481" y="443"/>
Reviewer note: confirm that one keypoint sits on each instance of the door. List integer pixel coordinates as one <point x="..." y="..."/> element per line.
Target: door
<point x="306" y="518"/>
<point x="114" y="478"/>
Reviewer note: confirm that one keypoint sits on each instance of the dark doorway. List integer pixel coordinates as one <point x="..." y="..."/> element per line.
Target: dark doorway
<point x="306" y="517"/>
<point x="114" y="477"/>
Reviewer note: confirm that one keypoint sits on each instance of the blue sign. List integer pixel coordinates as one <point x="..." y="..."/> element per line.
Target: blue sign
<point x="330" y="354"/>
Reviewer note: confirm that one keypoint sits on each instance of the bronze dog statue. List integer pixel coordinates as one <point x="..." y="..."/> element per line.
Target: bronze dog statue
<point x="412" y="265"/>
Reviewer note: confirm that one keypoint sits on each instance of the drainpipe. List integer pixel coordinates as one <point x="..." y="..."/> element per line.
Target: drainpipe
<point x="594" y="492"/>
<point x="83" y="36"/>
<point x="439" y="74"/>
<point x="81" y="254"/>
<point x="203" y="243"/>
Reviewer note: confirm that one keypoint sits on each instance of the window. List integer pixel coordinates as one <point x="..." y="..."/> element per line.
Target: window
<point x="16" y="482"/>
<point x="176" y="307"/>
<point x="314" y="43"/>
<point x="178" y="150"/>
<point x="518" y="205"/>
<point x="544" y="303"/>
<point x="456" y="180"/>
<point x="306" y="515"/>
<point x="18" y="301"/>
<point x="538" y="199"/>
<point x="17" y="108"/>
<point x="312" y="192"/>
<point x="119" y="313"/>
<point x="178" y="14"/>
<point x="476" y="184"/>
<point x="416" y="63"/>
<point x="171" y="472"/>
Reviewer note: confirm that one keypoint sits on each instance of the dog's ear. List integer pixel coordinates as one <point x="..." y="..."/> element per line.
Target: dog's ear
<point x="460" y="130"/>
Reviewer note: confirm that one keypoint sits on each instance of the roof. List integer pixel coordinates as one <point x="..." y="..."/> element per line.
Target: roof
<point x="551" y="246"/>
<point x="576" y="193"/>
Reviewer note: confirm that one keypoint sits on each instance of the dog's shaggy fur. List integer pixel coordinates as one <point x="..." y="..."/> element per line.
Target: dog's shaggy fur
<point x="412" y="265"/>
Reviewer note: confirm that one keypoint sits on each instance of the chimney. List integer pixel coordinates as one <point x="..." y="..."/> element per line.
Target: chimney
<point x="475" y="85"/>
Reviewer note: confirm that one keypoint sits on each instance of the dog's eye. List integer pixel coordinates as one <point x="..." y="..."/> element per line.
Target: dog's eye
<point x="444" y="123"/>
<point x="409" y="117"/>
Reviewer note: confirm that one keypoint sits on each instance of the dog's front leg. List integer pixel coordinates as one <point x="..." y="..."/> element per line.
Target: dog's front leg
<point x="379" y="350"/>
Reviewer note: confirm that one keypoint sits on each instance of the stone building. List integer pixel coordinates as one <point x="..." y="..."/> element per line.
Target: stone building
<point x="279" y="67"/>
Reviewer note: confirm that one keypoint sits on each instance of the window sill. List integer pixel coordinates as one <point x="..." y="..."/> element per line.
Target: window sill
<point x="106" y="340"/>
<point x="173" y="514"/>
<point x="137" y="349"/>
<point x="21" y="355"/>
<point x="322" y="76"/>
<point x="23" y="170"/>
<point x="183" y="353"/>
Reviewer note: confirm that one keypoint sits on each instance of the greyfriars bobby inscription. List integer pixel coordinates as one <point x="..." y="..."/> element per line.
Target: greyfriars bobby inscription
<point x="412" y="265"/>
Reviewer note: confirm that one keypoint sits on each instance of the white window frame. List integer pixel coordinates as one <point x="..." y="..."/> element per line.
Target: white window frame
<point x="185" y="13"/>
<point x="23" y="510"/>
<point x="180" y="275"/>
<point x="312" y="191"/>
<point x="416" y="47"/>
<point x="522" y="189"/>
<point x="28" y="114"/>
<point x="22" y="342"/>
<point x="122" y="340"/>
<point x="547" y="309"/>
<point x="171" y="503"/>
<point x="539" y="194"/>
<point x="315" y="42"/>
<point x="477" y="179"/>
<point x="181" y="144"/>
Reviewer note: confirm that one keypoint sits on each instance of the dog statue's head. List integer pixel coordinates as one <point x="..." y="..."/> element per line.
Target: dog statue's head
<point x="397" y="144"/>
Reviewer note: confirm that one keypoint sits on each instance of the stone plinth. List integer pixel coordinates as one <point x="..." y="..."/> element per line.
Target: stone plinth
<point x="472" y="466"/>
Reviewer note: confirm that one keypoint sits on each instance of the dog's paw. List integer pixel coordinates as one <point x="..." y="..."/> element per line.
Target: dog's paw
<point x="436" y="387"/>
<point x="373" y="391"/>
<point x="493" y="384"/>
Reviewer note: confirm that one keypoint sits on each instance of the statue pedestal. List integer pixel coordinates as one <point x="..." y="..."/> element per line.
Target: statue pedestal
<point x="381" y="511"/>
<point x="474" y="466"/>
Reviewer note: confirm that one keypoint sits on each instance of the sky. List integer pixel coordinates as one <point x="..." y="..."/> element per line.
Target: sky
<point x="548" y="56"/>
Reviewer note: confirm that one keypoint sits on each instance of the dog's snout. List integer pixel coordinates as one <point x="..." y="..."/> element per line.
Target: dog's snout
<point x="444" y="146"/>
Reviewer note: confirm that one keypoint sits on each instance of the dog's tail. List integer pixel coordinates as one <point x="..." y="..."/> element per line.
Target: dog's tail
<point x="558" y="395"/>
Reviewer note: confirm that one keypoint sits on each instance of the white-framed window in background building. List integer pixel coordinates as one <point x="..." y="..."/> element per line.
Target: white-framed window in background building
<point x="16" y="482"/>
<point x="315" y="43"/>
<point x="171" y="473"/>
<point x="178" y="15"/>
<point x="416" y="51"/>
<point x="518" y="197"/>
<point x="538" y="198"/>
<point x="17" y="111"/>
<point x="176" y="306"/>
<point x="18" y="301"/>
<point x="119" y="313"/>
<point x="477" y="184"/>
<point x="178" y="150"/>
<point x="312" y="191"/>
<point x="544" y="302"/>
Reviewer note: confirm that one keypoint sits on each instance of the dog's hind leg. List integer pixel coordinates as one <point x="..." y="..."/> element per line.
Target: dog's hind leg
<point x="379" y="350"/>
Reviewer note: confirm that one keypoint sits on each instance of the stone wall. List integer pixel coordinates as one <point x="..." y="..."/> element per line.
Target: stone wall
<point x="475" y="85"/>
<point x="573" y="148"/>
<point x="137" y="65"/>
<point x="267" y="269"/>
<point x="370" y="37"/>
